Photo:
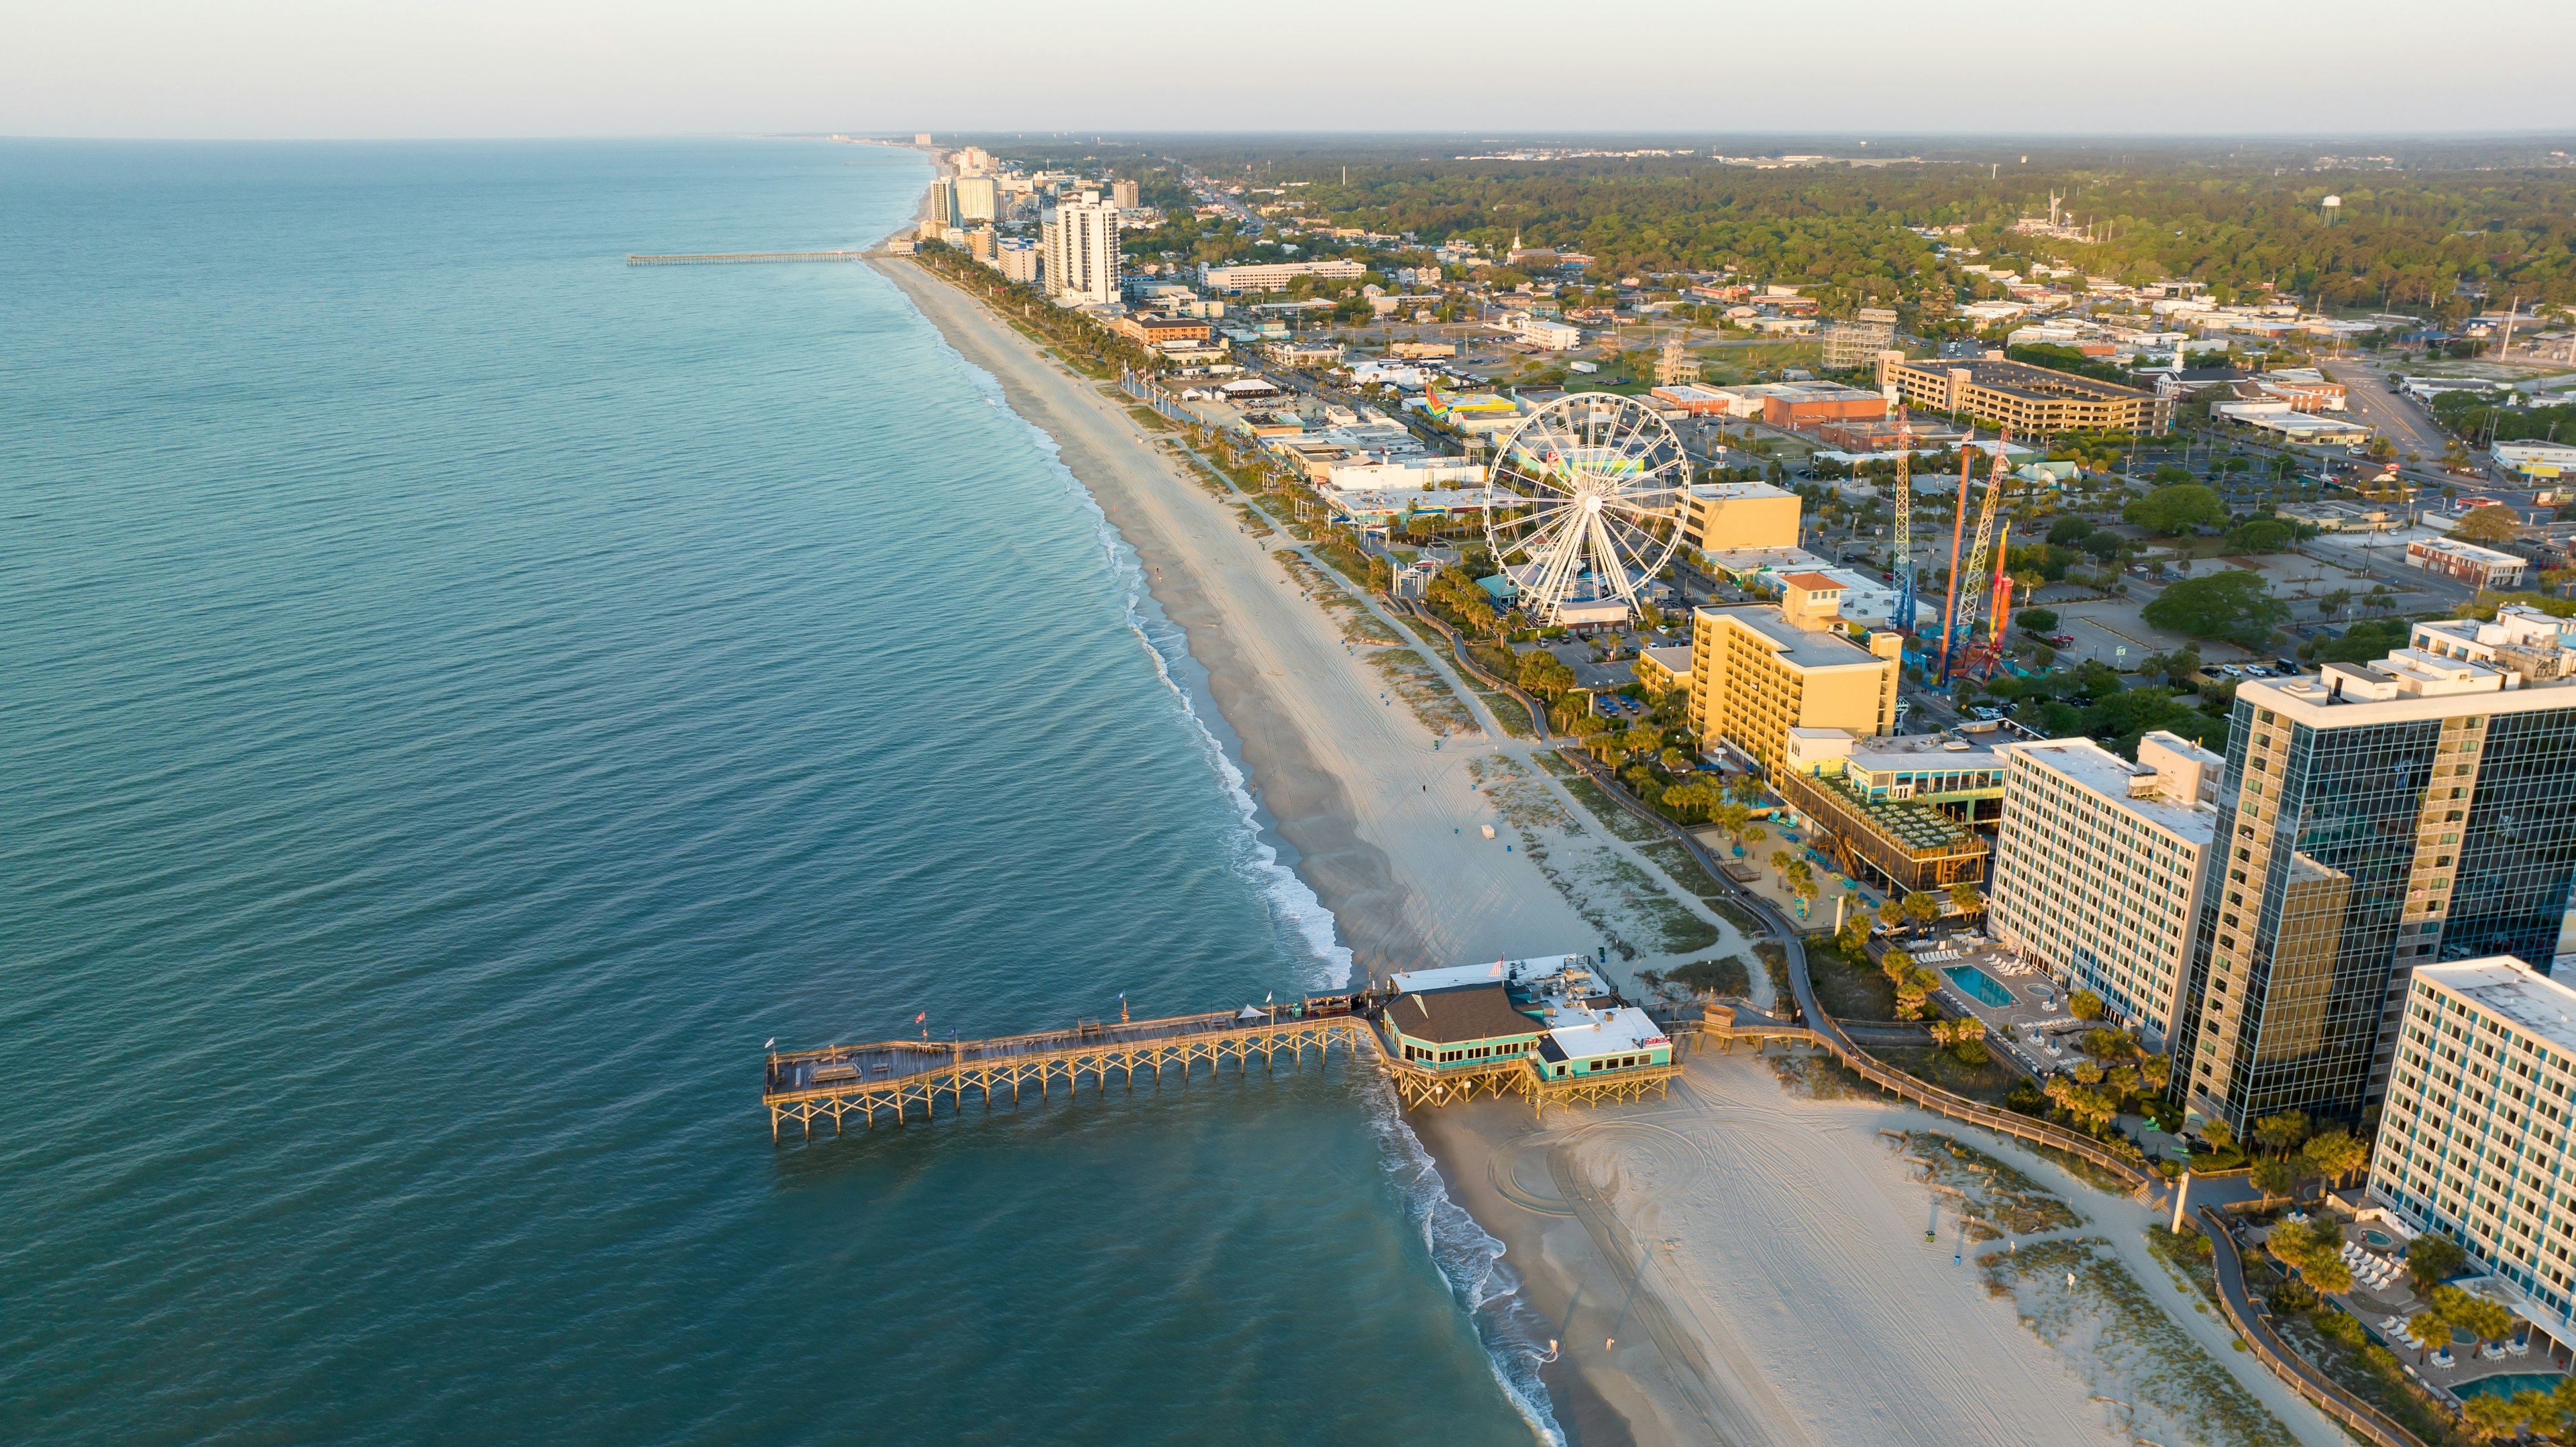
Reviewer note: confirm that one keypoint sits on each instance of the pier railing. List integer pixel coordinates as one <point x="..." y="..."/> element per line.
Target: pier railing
<point x="802" y="1087"/>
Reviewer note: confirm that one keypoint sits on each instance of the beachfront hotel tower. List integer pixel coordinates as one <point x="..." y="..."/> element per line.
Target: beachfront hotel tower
<point x="2098" y="865"/>
<point x="2373" y="819"/>
<point x="1080" y="240"/>
<point x="1758" y="671"/>
<point x="2473" y="1137"/>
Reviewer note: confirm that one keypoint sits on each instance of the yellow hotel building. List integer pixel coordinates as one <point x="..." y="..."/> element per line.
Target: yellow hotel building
<point x="1758" y="671"/>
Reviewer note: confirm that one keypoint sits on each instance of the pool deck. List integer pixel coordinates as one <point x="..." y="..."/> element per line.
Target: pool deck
<point x="2374" y="1305"/>
<point x="2037" y="1013"/>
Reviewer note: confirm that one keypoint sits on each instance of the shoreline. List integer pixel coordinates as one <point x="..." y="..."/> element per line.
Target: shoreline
<point x="1381" y="824"/>
<point x="1298" y="779"/>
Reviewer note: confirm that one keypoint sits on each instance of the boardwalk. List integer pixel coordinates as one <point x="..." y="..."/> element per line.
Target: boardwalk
<point x="893" y="1076"/>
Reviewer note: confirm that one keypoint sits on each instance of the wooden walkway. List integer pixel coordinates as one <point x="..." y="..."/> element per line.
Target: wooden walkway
<point x="802" y="1087"/>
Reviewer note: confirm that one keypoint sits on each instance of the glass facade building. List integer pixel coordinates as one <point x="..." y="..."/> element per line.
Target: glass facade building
<point x="2378" y="818"/>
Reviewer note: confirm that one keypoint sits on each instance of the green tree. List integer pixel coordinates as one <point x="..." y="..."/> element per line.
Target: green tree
<point x="1781" y="859"/>
<point x="2275" y="1176"/>
<point x="2486" y="1320"/>
<point x="1922" y="907"/>
<point x="2176" y="509"/>
<point x="1965" y="899"/>
<point x="2037" y="620"/>
<point x="2218" y="1133"/>
<point x="2491" y="1419"/>
<point x="2261" y="535"/>
<point x="2487" y="526"/>
<point x="2086" y="1005"/>
<point x="2335" y="1154"/>
<point x="2430" y="1259"/>
<point x="2233" y="605"/>
<point x="2280" y="1134"/>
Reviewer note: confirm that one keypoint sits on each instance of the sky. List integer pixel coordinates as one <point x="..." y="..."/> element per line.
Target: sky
<point x="351" y="69"/>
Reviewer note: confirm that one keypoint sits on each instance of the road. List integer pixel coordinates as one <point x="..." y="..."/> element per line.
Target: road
<point x="2375" y="404"/>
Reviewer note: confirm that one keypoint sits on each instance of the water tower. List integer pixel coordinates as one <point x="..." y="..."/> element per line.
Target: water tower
<point x="2328" y="207"/>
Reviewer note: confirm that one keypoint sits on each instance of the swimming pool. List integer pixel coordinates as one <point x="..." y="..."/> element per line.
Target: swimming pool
<point x="1979" y="984"/>
<point x="2377" y="1239"/>
<point x="2511" y="1385"/>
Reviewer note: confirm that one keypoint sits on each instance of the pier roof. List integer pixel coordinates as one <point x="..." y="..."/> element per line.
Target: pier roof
<point x="1480" y="1012"/>
<point x="1588" y="1034"/>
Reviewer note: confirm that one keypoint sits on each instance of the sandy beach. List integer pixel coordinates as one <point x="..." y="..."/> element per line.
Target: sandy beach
<point x="1788" y="1293"/>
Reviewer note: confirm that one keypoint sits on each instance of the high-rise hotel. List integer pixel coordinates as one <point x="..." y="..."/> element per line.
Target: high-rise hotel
<point x="2373" y="819"/>
<point x="2473" y="1137"/>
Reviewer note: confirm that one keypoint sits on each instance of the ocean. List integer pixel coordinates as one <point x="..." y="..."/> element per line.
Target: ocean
<point x="461" y="695"/>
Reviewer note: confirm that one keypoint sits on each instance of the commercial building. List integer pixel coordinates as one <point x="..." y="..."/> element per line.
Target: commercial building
<point x="1758" y="671"/>
<point x="2480" y="567"/>
<point x="2032" y="401"/>
<point x="1695" y="400"/>
<point x="2371" y="819"/>
<point x="2098" y="866"/>
<point x="1275" y="275"/>
<point x="1808" y="404"/>
<point x="2473" y="1141"/>
<point x="2536" y="459"/>
<point x="1080" y="239"/>
<point x="1546" y="1016"/>
<point x="1544" y="333"/>
<point x="1721" y="516"/>
<point x="1857" y="343"/>
<point x="1153" y="331"/>
<point x="1465" y="1027"/>
<point x="1896" y="812"/>
<point x="1662" y="670"/>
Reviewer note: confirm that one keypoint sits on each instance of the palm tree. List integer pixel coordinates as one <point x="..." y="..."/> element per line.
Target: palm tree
<point x="1781" y="859"/>
<point x="1965" y="899"/>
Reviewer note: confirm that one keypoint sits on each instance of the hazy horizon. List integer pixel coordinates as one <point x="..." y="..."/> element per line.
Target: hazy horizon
<point x="554" y="69"/>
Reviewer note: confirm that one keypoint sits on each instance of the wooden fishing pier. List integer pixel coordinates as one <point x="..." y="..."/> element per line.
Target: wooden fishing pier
<point x="834" y="1083"/>
<point x="741" y="258"/>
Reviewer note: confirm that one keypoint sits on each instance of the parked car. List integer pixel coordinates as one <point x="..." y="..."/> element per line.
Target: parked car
<point x="2062" y="640"/>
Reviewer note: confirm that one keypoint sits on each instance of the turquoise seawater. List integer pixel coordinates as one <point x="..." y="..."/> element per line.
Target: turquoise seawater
<point x="460" y="696"/>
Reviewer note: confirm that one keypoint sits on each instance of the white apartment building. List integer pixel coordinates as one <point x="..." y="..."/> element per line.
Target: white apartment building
<point x="2098" y="868"/>
<point x="1079" y="239"/>
<point x="2473" y="1134"/>
<point x="1542" y="332"/>
<point x="1275" y="275"/>
<point x="979" y="198"/>
<point x="1018" y="259"/>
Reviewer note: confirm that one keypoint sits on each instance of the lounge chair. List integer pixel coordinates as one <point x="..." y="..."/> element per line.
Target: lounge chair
<point x="2440" y="1359"/>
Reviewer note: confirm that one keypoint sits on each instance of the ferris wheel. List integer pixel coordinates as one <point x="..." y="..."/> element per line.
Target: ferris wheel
<point x="1584" y="504"/>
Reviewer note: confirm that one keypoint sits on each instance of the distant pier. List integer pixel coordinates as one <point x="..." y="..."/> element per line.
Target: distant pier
<point x="741" y="258"/>
<point x="802" y="1087"/>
